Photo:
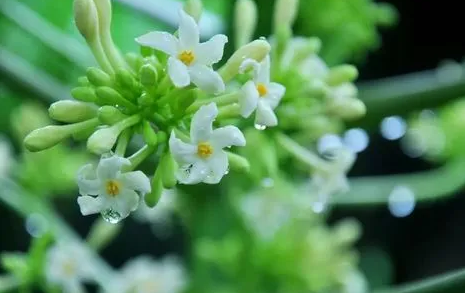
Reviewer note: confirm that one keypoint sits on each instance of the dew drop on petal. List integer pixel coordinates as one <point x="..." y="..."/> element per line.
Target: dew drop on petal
<point x="393" y="127"/>
<point x="401" y="201"/>
<point x="260" y="127"/>
<point x="227" y="171"/>
<point x="36" y="225"/>
<point x="111" y="216"/>
<point x="356" y="139"/>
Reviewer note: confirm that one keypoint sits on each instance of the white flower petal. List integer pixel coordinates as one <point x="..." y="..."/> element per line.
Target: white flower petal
<point x="125" y="202"/>
<point x="275" y="93"/>
<point x="264" y="71"/>
<point x="178" y="73"/>
<point x="182" y="152"/>
<point x="211" y="51"/>
<point x="161" y="41"/>
<point x="193" y="174"/>
<point x="227" y="136"/>
<point x="137" y="181"/>
<point x="314" y="67"/>
<point x="188" y="31"/>
<point x="345" y="90"/>
<point x="218" y="164"/>
<point x="87" y="181"/>
<point x="248" y="99"/>
<point x="202" y="123"/>
<point x="90" y="205"/>
<point x="109" y="168"/>
<point x="265" y="115"/>
<point x="206" y="79"/>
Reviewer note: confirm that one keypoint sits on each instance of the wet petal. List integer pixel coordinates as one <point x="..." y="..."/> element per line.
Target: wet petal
<point x="188" y="31"/>
<point x="218" y="164"/>
<point x="193" y="174"/>
<point x="202" y="123"/>
<point x="227" y="136"/>
<point x="275" y="93"/>
<point x="126" y="202"/>
<point x="109" y="168"/>
<point x="137" y="181"/>
<point x="211" y="52"/>
<point x="206" y="79"/>
<point x="90" y="205"/>
<point x="183" y="153"/>
<point x="265" y="115"/>
<point x="161" y="41"/>
<point x="248" y="100"/>
<point x="264" y="71"/>
<point x="178" y="73"/>
<point x="87" y="181"/>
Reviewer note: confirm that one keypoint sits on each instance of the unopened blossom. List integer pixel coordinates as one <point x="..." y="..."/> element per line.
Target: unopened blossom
<point x="145" y="275"/>
<point x="260" y="94"/>
<point x="67" y="266"/>
<point x="203" y="158"/>
<point x="190" y="60"/>
<point x="108" y="190"/>
<point x="5" y="157"/>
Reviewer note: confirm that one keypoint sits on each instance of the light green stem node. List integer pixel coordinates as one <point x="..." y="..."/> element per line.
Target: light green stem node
<point x="48" y="136"/>
<point x="71" y="111"/>
<point x="238" y="163"/>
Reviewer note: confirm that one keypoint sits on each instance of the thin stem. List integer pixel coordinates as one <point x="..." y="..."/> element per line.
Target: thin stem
<point x="137" y="158"/>
<point x="99" y="54"/>
<point x="222" y="100"/>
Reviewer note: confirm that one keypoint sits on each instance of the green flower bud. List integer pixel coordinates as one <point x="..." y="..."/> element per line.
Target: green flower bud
<point x="110" y="115"/>
<point x="125" y="79"/>
<point x="149" y="134"/>
<point x="348" y="108"/>
<point x="238" y="163"/>
<point x="152" y="198"/>
<point x="109" y="96"/>
<point x="194" y="9"/>
<point x="86" y="18"/>
<point x="83" y="81"/>
<point x="71" y="111"/>
<point x="146" y="51"/>
<point x="135" y="61"/>
<point x="169" y="167"/>
<point x="341" y="74"/>
<point x="148" y="75"/>
<point x="84" y="94"/>
<point x="256" y="50"/>
<point x="385" y="14"/>
<point x="245" y="21"/>
<point x="285" y="13"/>
<point x="98" y="77"/>
<point x="347" y="231"/>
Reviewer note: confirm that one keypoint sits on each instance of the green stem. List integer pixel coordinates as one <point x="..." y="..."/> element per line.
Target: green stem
<point x="229" y="111"/>
<point x="426" y="185"/>
<point x="222" y="100"/>
<point x="436" y="284"/>
<point x="123" y="142"/>
<point x="137" y="158"/>
<point x="99" y="54"/>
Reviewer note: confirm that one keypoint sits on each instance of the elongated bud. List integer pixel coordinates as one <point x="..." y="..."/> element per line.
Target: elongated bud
<point x="148" y="75"/>
<point x="169" y="167"/>
<point x="238" y="163"/>
<point x="86" y="18"/>
<point x="125" y="79"/>
<point x="71" y="111"/>
<point x="84" y="94"/>
<point x="110" y="115"/>
<point x="341" y="74"/>
<point x="109" y="96"/>
<point x="347" y="231"/>
<point x="83" y="81"/>
<point x="194" y="9"/>
<point x="348" y="108"/>
<point x="256" y="50"/>
<point x="149" y="134"/>
<point x="135" y="61"/>
<point x="245" y="21"/>
<point x="98" y="77"/>
<point x="285" y="13"/>
<point x="152" y="198"/>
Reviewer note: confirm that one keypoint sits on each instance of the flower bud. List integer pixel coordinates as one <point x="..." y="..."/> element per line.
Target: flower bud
<point x="169" y="167"/>
<point x="285" y="13"/>
<point x="98" y="77"/>
<point x="245" y="21"/>
<point x="135" y="61"/>
<point x="86" y="18"/>
<point x="152" y="198"/>
<point x="256" y="50"/>
<point x="83" y="81"/>
<point x="109" y="96"/>
<point x="348" y="108"/>
<point x="341" y="74"/>
<point x="149" y="134"/>
<point x="238" y="163"/>
<point x="347" y="231"/>
<point x="148" y="75"/>
<point x="71" y="111"/>
<point x="125" y="79"/>
<point x="194" y="9"/>
<point x="103" y="140"/>
<point x="110" y="115"/>
<point x="84" y="94"/>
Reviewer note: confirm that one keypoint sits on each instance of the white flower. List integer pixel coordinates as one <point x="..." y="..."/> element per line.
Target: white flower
<point x="203" y="159"/>
<point x="354" y="282"/>
<point x="189" y="61"/>
<point x="260" y="94"/>
<point x="106" y="189"/>
<point x="343" y="91"/>
<point x="314" y="68"/>
<point x="68" y="266"/>
<point x="5" y="157"/>
<point x="144" y="275"/>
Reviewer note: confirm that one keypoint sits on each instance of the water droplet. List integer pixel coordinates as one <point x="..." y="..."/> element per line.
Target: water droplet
<point x="356" y="139"/>
<point x="111" y="216"/>
<point x="393" y="128"/>
<point x="401" y="201"/>
<point x="328" y="143"/>
<point x="267" y="182"/>
<point x="318" y="207"/>
<point x="36" y="225"/>
<point x="260" y="127"/>
<point x="226" y="172"/>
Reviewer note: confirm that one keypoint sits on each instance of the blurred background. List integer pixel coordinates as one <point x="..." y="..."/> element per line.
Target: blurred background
<point x="42" y="55"/>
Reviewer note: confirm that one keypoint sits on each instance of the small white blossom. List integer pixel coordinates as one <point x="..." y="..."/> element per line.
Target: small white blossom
<point x="190" y="60"/>
<point x="260" y="94"/>
<point x="145" y="275"/>
<point x="68" y="266"/>
<point x="5" y="157"/>
<point x="203" y="159"/>
<point x="106" y="189"/>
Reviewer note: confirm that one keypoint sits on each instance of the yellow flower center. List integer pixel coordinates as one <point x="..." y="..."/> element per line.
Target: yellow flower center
<point x="204" y="150"/>
<point x="113" y="187"/>
<point x="186" y="57"/>
<point x="69" y="268"/>
<point x="262" y="90"/>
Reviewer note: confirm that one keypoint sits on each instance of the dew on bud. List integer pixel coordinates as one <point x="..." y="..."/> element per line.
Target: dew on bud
<point x="260" y="127"/>
<point x="111" y="216"/>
